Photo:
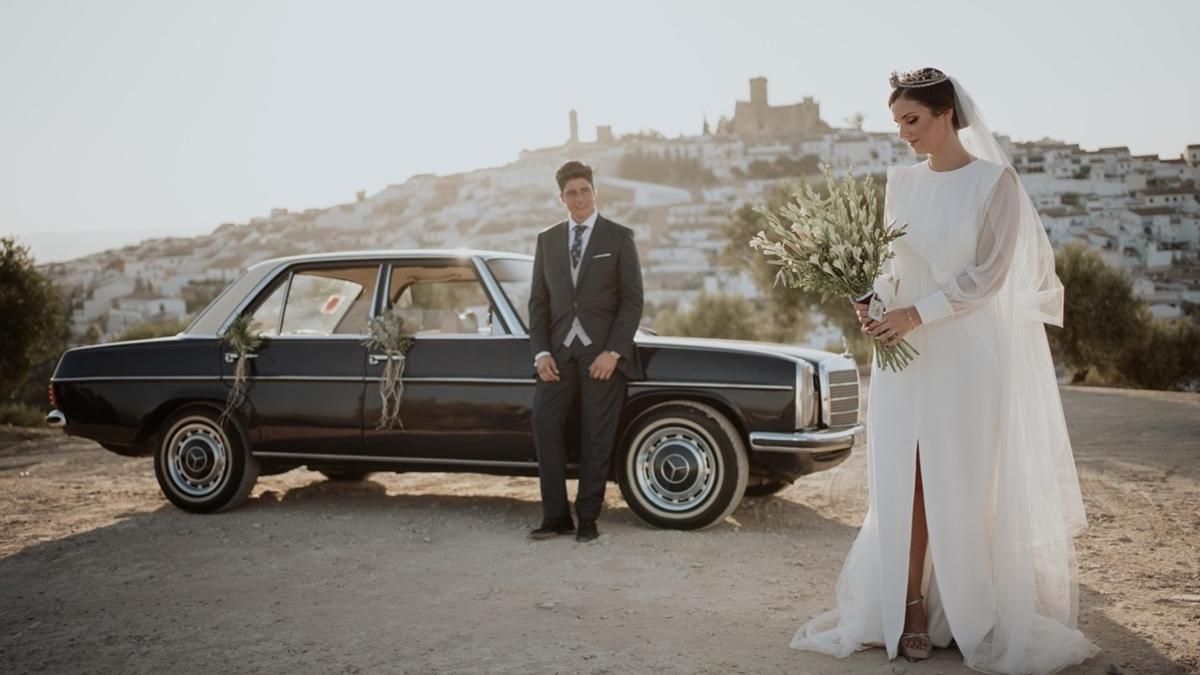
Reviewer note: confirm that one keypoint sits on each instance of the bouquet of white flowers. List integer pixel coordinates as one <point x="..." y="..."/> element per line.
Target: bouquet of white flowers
<point x="834" y="244"/>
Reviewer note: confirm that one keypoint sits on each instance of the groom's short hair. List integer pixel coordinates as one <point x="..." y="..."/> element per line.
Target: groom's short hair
<point x="573" y="169"/>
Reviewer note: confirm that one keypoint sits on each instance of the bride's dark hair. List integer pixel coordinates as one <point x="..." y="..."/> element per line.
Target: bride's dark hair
<point x="937" y="97"/>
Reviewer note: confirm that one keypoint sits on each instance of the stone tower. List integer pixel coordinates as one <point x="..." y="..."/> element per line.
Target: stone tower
<point x="758" y="92"/>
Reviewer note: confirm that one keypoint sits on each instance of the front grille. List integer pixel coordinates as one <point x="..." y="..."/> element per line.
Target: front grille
<point x="842" y="411"/>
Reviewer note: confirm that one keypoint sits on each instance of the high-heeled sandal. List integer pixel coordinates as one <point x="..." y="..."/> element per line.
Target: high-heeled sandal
<point x="919" y="646"/>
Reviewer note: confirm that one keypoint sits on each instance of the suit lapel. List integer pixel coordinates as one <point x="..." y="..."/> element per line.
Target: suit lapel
<point x="599" y="230"/>
<point x="557" y="259"/>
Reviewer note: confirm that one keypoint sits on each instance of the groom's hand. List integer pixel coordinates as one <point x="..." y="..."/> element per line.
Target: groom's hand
<point x="547" y="369"/>
<point x="602" y="368"/>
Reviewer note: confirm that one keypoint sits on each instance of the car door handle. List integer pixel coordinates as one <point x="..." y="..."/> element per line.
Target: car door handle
<point x="376" y="359"/>
<point x="230" y="357"/>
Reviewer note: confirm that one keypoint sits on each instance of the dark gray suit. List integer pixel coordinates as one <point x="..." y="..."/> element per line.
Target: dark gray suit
<point x="607" y="300"/>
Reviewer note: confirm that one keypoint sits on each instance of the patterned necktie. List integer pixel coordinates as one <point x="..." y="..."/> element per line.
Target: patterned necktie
<point x="577" y="246"/>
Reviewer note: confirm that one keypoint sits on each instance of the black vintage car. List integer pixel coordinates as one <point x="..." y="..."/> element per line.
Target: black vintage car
<point x="711" y="421"/>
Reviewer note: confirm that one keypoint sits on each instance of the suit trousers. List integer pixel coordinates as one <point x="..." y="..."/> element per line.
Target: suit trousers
<point x="601" y="403"/>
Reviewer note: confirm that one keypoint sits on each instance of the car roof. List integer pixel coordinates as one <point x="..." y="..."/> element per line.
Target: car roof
<point x="391" y="253"/>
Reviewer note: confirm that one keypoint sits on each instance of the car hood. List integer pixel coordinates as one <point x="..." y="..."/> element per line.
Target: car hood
<point x="770" y="348"/>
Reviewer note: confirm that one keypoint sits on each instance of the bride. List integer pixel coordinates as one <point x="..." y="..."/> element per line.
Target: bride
<point x="974" y="498"/>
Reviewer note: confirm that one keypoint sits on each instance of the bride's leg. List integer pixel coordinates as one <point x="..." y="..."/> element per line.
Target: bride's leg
<point x="914" y="614"/>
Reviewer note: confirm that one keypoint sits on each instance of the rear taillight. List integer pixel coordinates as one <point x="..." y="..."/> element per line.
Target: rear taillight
<point x="53" y="397"/>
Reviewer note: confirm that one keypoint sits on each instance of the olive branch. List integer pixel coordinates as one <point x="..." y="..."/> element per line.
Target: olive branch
<point x="242" y="341"/>
<point x="387" y="333"/>
<point x="834" y="245"/>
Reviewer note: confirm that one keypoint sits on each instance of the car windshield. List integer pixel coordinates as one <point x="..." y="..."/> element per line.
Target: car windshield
<point x="513" y="275"/>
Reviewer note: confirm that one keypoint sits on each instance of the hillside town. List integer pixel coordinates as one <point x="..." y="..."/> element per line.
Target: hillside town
<point x="1141" y="212"/>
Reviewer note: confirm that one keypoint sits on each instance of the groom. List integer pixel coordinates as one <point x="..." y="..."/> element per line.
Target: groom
<point x="584" y="307"/>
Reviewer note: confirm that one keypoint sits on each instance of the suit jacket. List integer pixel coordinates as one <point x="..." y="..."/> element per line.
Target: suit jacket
<point x="607" y="297"/>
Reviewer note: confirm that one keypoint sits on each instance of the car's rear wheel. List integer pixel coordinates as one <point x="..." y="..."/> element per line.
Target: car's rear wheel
<point x="202" y="464"/>
<point x="348" y="475"/>
<point x="682" y="465"/>
<point x="765" y="489"/>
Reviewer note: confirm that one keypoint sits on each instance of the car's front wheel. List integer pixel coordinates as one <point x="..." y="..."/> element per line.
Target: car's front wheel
<point x="682" y="465"/>
<point x="202" y="464"/>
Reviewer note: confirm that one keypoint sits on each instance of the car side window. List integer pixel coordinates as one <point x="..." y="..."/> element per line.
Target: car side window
<point x="264" y="320"/>
<point x="328" y="301"/>
<point x="441" y="300"/>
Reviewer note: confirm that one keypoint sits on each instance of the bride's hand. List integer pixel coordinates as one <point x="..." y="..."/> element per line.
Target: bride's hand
<point x="895" y="325"/>
<point x="860" y="308"/>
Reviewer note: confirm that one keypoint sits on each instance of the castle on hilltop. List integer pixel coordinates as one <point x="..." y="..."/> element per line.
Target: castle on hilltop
<point x="757" y="120"/>
<point x="754" y="121"/>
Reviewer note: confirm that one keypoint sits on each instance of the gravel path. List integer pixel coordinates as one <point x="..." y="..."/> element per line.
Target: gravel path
<point x="427" y="573"/>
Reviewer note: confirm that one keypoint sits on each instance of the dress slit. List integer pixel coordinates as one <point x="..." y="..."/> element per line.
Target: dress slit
<point x="927" y="555"/>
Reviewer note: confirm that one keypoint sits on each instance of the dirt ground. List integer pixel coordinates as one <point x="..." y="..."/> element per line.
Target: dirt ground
<point x="427" y="573"/>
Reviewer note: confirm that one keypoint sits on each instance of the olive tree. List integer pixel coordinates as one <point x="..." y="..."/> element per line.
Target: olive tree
<point x="1101" y="316"/>
<point x="34" y="327"/>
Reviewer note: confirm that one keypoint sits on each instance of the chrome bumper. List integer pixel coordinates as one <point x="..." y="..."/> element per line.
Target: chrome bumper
<point x="807" y="442"/>
<point x="56" y="419"/>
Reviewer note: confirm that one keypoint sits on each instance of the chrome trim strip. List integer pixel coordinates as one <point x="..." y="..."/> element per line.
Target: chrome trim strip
<point x="336" y="336"/>
<point x="379" y="280"/>
<point x="287" y="293"/>
<point x="499" y="300"/>
<point x="139" y="378"/>
<point x="303" y="378"/>
<point x="399" y="460"/>
<point x="709" y="385"/>
<point x="805" y="400"/>
<point x="387" y="286"/>
<point x="465" y="380"/>
<point x="56" y="419"/>
<point x="805" y="442"/>
<point x="661" y="342"/>
<point x="298" y="378"/>
<point x="418" y="337"/>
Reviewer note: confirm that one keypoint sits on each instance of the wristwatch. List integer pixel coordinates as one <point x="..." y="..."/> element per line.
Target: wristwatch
<point x="614" y="354"/>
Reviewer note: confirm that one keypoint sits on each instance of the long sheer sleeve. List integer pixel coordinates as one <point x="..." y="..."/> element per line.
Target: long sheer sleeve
<point x="885" y="283"/>
<point x="993" y="257"/>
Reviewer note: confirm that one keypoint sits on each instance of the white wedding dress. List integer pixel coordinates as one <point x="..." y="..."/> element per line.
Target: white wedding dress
<point x="980" y="401"/>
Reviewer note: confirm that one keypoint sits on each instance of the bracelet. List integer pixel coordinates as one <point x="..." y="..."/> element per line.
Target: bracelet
<point x="912" y="325"/>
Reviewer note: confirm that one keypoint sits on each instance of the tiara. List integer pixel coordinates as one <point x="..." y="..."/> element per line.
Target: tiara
<point x="922" y="77"/>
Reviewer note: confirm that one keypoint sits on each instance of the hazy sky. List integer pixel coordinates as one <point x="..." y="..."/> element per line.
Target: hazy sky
<point x="168" y="117"/>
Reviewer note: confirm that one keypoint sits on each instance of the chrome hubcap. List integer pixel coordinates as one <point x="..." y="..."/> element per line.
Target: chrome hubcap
<point x="676" y="468"/>
<point x="197" y="459"/>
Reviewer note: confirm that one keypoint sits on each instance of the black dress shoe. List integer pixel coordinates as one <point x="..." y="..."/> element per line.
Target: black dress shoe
<point x="552" y="528"/>
<point x="587" y="531"/>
